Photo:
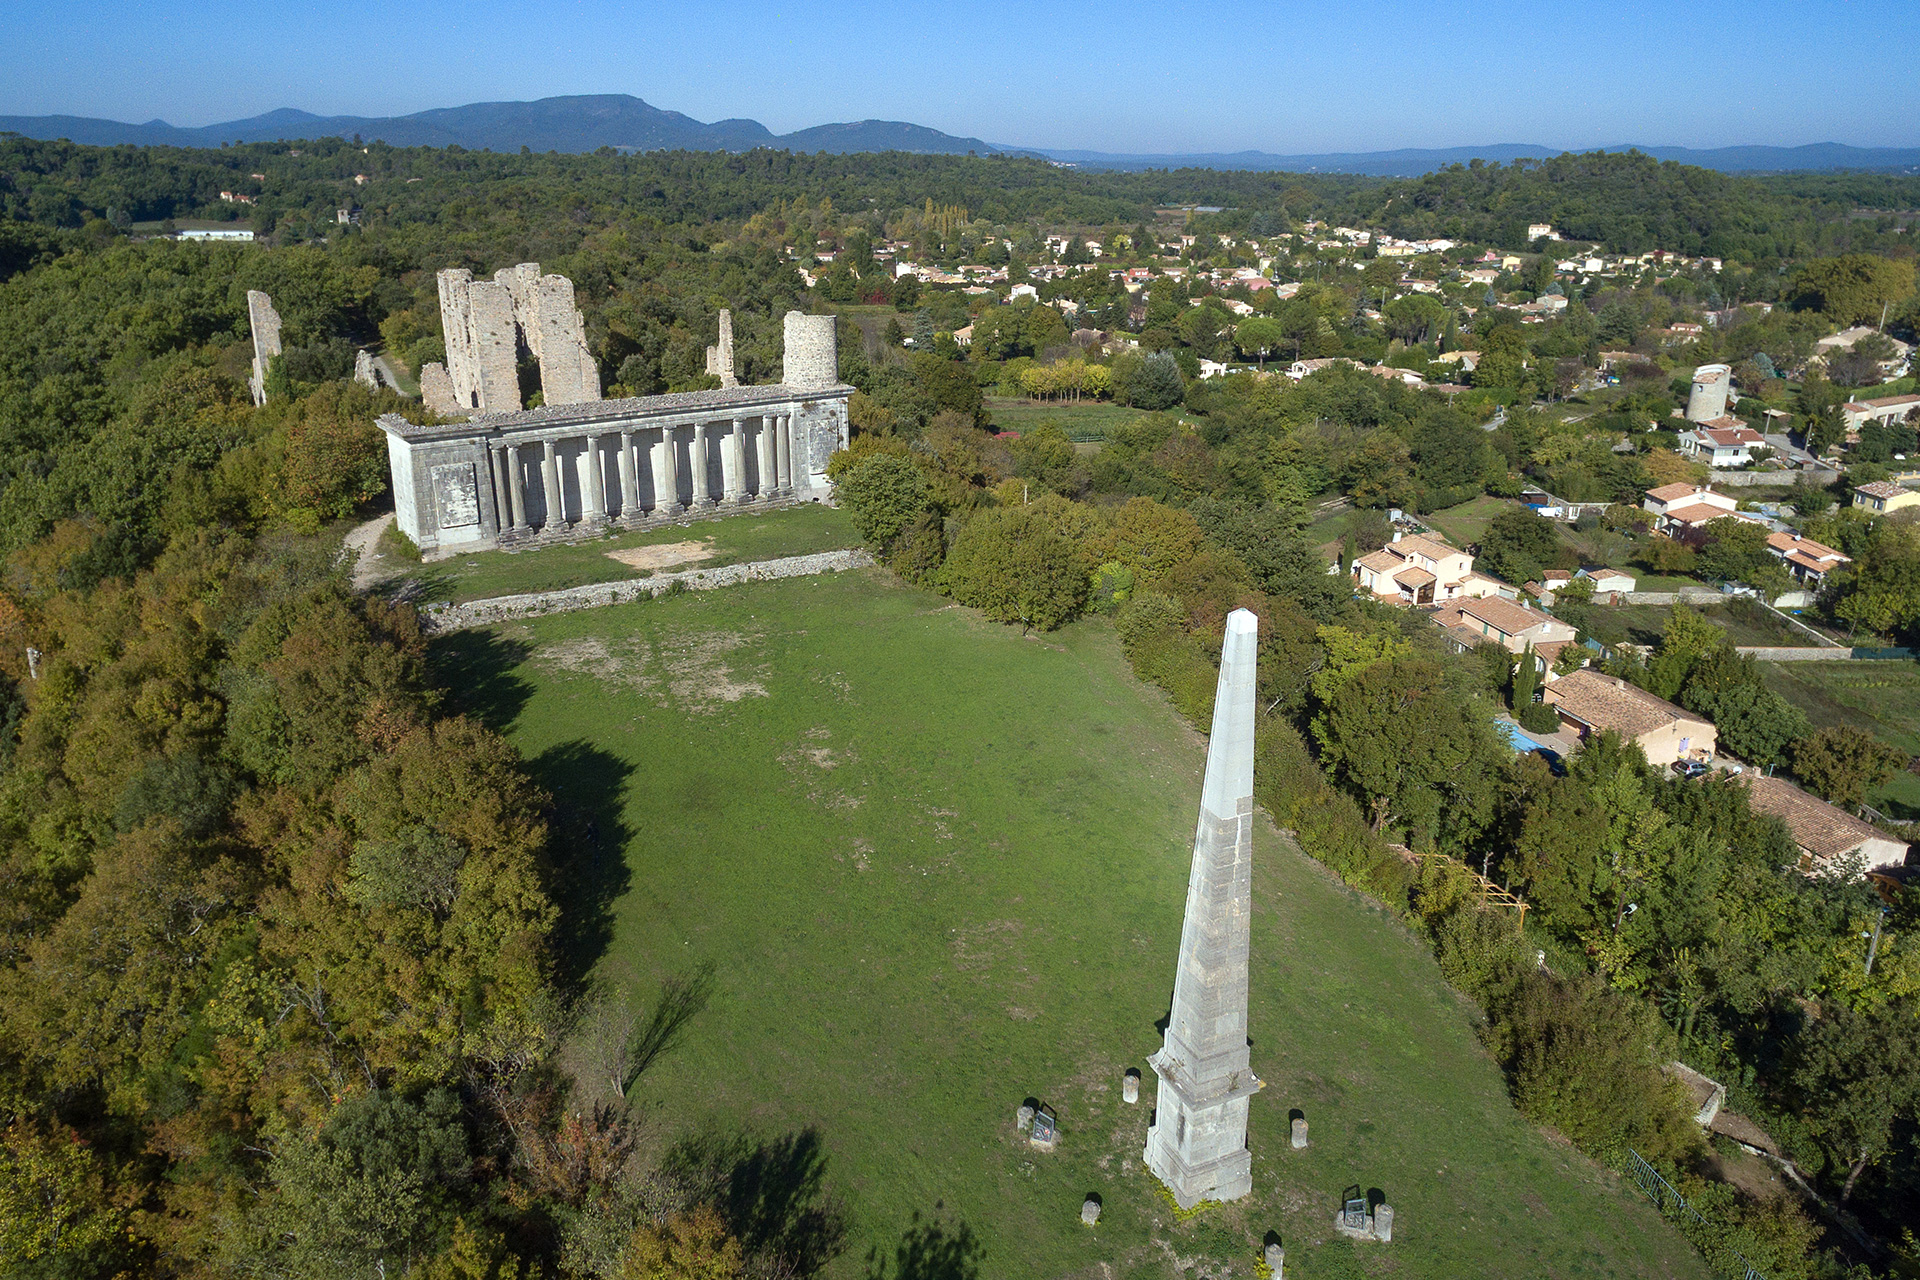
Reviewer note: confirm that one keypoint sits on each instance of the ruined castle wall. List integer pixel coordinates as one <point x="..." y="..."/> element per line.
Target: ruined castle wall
<point x="476" y="320"/>
<point x="556" y="332"/>
<point x="436" y="391"/>
<point x="812" y="358"/>
<point x="265" y="322"/>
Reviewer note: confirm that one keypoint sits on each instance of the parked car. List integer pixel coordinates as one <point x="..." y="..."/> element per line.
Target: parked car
<point x="1691" y="768"/>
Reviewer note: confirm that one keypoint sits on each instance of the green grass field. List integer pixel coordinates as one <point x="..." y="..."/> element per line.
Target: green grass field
<point x="938" y="867"/>
<point x="1085" y="420"/>
<point x="792" y="531"/>
<point x="1467" y="523"/>
<point x="1882" y="698"/>
<point x="1646" y="623"/>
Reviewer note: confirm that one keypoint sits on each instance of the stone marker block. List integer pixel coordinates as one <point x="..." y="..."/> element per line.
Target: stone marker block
<point x="1383" y="1222"/>
<point x="1130" y="1087"/>
<point x="1299" y="1133"/>
<point x="1023" y="1119"/>
<point x="1276" y="1259"/>
<point x="1090" y="1211"/>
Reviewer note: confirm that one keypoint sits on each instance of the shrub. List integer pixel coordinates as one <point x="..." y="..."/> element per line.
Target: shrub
<point x="920" y="551"/>
<point x="1538" y="717"/>
<point x="1583" y="1058"/>
<point x="884" y="493"/>
<point x="1015" y="567"/>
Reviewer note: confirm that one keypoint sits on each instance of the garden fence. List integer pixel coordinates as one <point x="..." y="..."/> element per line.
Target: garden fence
<point x="1671" y="1203"/>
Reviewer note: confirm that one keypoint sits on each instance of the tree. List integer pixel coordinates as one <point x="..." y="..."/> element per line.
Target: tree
<point x="1843" y="763"/>
<point x="1014" y="566"/>
<point x="1259" y="335"/>
<point x="694" y="1245"/>
<point x="1159" y="383"/>
<point x="1526" y="676"/>
<point x="1884" y="595"/>
<point x="1851" y="289"/>
<point x="373" y="1190"/>
<point x="884" y="493"/>
<point x="1519" y="545"/>
<point x="1755" y="723"/>
<point x="1734" y="549"/>
<point x="1413" y="755"/>
<point x="1854" y="1072"/>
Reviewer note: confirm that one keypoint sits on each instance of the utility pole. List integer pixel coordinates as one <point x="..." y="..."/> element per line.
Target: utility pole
<point x="1873" y="948"/>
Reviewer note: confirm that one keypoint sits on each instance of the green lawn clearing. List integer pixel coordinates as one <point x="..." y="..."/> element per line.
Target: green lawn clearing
<point x="1467" y="523"/>
<point x="700" y="543"/>
<point x="937" y="867"/>
<point x="1882" y="698"/>
<point x="1745" y="624"/>
<point x="1081" y="420"/>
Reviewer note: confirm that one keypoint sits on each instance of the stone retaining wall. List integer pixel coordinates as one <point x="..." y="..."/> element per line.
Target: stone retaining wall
<point x="1705" y="595"/>
<point x="438" y="619"/>
<point x="1838" y="653"/>
<point x="1779" y="479"/>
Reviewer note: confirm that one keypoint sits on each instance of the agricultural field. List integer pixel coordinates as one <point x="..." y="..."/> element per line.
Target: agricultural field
<point x="1085" y="420"/>
<point x="1882" y="698"/>
<point x="902" y="869"/>
<point x="691" y="543"/>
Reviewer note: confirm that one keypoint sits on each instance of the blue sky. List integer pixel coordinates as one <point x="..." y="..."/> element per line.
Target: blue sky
<point x="1121" y="76"/>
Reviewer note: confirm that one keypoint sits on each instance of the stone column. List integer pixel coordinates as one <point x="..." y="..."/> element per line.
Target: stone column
<point x="737" y="463"/>
<point x="502" y="508"/>
<point x="697" y="458"/>
<point x="783" y="444"/>
<point x="666" y="477"/>
<point x="629" y="481"/>
<point x="550" y="485"/>
<point x="513" y="488"/>
<point x="769" y="487"/>
<point x="595" y="500"/>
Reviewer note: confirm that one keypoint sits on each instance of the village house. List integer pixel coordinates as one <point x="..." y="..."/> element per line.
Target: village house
<point x="1590" y="703"/>
<point x="1883" y="497"/>
<point x="1831" y="841"/>
<point x="1681" y="506"/>
<point x="1722" y="442"/>
<point x="1419" y="570"/>
<point x="1808" y="561"/>
<point x="1606" y="581"/>
<point x="1512" y="626"/>
<point x="1885" y="411"/>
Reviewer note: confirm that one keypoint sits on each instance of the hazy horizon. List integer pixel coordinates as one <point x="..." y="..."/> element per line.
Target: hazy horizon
<point x="1282" y="78"/>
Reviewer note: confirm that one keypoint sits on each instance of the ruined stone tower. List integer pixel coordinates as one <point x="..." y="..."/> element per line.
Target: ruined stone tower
<point x="1197" y="1145"/>
<point x="720" y="354"/>
<point x="486" y="324"/>
<point x="265" y="322"/>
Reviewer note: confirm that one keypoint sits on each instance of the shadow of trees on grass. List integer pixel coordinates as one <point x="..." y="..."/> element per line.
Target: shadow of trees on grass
<point x="930" y="1249"/>
<point x="588" y="841"/>
<point x="772" y="1193"/>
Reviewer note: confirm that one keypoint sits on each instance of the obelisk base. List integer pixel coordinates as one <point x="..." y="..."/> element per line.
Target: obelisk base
<point x="1197" y="1146"/>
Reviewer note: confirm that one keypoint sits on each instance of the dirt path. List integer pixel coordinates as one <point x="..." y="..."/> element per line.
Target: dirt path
<point x="360" y="551"/>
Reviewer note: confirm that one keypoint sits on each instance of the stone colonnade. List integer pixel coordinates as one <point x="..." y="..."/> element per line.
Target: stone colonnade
<point x="661" y="470"/>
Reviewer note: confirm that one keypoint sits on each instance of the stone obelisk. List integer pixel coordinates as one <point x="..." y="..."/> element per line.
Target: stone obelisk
<point x="1198" y="1142"/>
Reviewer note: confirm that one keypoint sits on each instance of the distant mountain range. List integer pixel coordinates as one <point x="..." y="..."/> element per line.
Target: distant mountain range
<point x="587" y="123"/>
